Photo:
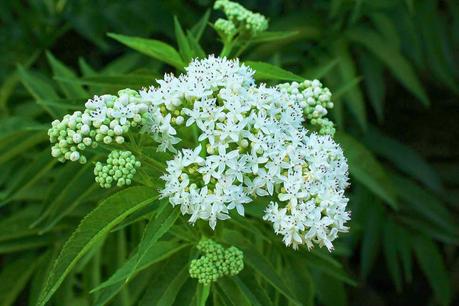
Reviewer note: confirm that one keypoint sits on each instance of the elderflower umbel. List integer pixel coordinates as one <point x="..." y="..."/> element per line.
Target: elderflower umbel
<point x="253" y="143"/>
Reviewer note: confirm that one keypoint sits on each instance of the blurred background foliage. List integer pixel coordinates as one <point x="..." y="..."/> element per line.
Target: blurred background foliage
<point x="392" y="65"/>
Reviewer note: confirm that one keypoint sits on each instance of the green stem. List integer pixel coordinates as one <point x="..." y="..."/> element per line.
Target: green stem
<point x="227" y="47"/>
<point x="205" y="290"/>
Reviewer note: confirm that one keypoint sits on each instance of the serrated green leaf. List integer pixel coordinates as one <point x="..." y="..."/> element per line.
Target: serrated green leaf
<point x="154" y="48"/>
<point x="94" y="227"/>
<point x="266" y="71"/>
<point x="367" y="170"/>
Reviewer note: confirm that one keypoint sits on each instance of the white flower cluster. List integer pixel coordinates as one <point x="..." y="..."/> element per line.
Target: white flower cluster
<point x="253" y="143"/>
<point x="105" y="119"/>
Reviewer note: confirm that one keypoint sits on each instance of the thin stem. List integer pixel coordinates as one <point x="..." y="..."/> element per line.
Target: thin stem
<point x="205" y="290"/>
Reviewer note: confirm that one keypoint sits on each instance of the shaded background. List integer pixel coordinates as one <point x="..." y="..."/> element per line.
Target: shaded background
<point x="392" y="65"/>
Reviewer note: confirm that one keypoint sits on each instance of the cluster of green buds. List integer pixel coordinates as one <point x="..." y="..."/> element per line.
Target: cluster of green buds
<point x="70" y="136"/>
<point x="119" y="169"/>
<point x="105" y="120"/>
<point x="216" y="262"/>
<point x="315" y="99"/>
<point x="239" y="19"/>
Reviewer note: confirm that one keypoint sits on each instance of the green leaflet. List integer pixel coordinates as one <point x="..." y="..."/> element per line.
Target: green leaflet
<point x="38" y="167"/>
<point x="352" y="95"/>
<point x="373" y="75"/>
<point x="391" y="253"/>
<point x="426" y="205"/>
<point x="182" y="41"/>
<point x="399" y="66"/>
<point x="237" y="292"/>
<point x="198" y="29"/>
<point x="68" y="196"/>
<point x="157" y="252"/>
<point x="269" y="36"/>
<point x="158" y="226"/>
<point x="262" y="267"/>
<point x="266" y="71"/>
<point x="372" y="229"/>
<point x="40" y="88"/>
<point x="14" y="277"/>
<point x="94" y="227"/>
<point x="366" y="169"/>
<point x="404" y="157"/>
<point x="431" y="263"/>
<point x="330" y="291"/>
<point x="154" y="48"/>
<point x="60" y="70"/>
<point x="167" y="282"/>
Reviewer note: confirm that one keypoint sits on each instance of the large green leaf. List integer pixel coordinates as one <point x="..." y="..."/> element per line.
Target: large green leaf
<point x="92" y="229"/>
<point x="154" y="48"/>
<point x="365" y="168"/>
